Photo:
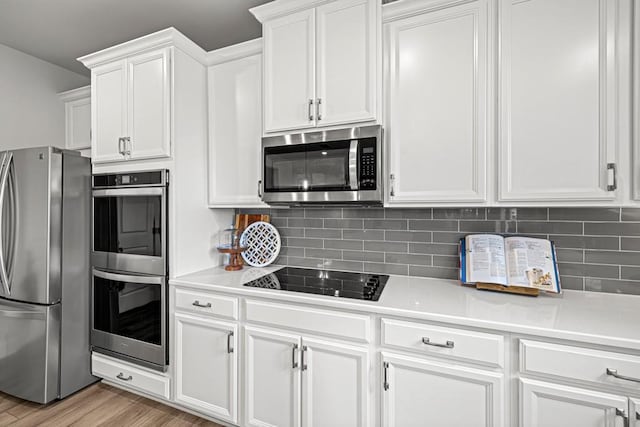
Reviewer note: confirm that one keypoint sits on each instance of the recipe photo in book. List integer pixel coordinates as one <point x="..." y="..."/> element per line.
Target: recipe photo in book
<point x="509" y="261"/>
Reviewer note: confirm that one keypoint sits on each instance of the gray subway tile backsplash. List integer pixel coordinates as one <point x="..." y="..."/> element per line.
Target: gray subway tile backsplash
<point x="598" y="248"/>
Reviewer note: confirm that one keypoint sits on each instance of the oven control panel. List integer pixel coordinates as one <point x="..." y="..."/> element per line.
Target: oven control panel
<point x="368" y="164"/>
<point x="134" y="179"/>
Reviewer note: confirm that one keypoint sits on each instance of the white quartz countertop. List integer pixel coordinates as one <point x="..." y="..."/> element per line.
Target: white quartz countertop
<point x="596" y="318"/>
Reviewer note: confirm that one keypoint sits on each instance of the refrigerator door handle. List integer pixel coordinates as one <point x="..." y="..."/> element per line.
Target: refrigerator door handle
<point x="4" y="178"/>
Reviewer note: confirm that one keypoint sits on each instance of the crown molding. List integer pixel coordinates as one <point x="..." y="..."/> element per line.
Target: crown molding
<point x="167" y="37"/>
<point x="406" y="8"/>
<point x="278" y="8"/>
<point x="233" y="52"/>
<point x="74" y="94"/>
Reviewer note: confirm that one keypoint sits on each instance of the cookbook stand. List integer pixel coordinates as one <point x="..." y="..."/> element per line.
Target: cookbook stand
<point x="519" y="290"/>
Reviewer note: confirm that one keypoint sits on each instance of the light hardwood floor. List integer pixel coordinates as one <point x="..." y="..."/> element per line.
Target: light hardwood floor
<point x="96" y="405"/>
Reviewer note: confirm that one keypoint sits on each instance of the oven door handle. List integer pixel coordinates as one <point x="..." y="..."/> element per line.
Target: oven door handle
<point x="353" y="164"/>
<point x="146" y="191"/>
<point x="117" y="277"/>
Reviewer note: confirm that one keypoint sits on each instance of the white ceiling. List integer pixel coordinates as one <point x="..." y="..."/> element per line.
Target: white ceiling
<point x="59" y="31"/>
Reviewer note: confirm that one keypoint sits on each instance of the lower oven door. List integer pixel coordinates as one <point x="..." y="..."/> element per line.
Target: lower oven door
<point x="129" y="317"/>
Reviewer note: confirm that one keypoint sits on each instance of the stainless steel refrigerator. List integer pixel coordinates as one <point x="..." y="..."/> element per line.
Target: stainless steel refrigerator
<point x="44" y="273"/>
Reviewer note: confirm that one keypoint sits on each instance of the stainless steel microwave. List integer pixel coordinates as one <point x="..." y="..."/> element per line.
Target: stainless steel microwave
<point x="342" y="166"/>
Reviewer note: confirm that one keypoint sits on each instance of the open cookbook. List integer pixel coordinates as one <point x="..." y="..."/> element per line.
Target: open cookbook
<point x="509" y="261"/>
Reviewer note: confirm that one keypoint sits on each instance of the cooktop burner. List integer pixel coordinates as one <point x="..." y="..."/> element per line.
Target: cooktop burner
<point x="324" y="282"/>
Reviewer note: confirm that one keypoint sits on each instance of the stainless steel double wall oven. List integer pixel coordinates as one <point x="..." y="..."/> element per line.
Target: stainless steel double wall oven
<point x="130" y="268"/>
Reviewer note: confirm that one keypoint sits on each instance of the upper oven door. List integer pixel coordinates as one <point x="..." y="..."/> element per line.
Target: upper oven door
<point x="129" y="230"/>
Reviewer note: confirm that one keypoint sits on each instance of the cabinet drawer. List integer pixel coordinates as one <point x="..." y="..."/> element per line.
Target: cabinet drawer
<point x="437" y="340"/>
<point x="127" y="375"/>
<point x="580" y="364"/>
<point x="344" y="325"/>
<point x="205" y="303"/>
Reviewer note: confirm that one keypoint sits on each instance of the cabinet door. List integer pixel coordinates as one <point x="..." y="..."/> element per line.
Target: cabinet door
<point x="564" y="81"/>
<point x="206" y="366"/>
<point x="420" y="393"/>
<point x="634" y="412"/>
<point x="272" y="378"/>
<point x="235" y="129"/>
<point x="109" y="111"/>
<point x="335" y="384"/>
<point x="347" y="59"/>
<point x="78" y="124"/>
<point x="549" y="405"/>
<point x="289" y="76"/>
<point x="149" y="104"/>
<point x="437" y="105"/>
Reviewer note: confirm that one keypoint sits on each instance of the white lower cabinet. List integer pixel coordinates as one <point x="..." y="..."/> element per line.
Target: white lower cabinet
<point x="634" y="412"/>
<point x="293" y="380"/>
<point x="544" y="404"/>
<point x="272" y="378"/>
<point x="206" y="366"/>
<point x="419" y="392"/>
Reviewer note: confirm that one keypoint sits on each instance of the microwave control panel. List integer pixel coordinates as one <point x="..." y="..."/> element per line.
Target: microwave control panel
<point x="368" y="164"/>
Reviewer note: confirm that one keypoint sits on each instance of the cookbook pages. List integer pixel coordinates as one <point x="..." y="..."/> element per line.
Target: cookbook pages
<point x="509" y="261"/>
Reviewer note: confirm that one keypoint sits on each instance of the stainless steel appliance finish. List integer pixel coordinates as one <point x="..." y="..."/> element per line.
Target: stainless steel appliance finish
<point x="129" y="222"/>
<point x="130" y="267"/>
<point x="341" y="166"/>
<point x="129" y="317"/>
<point x="44" y="273"/>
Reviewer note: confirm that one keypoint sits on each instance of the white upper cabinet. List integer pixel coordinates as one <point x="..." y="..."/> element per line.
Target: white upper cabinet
<point x="235" y="126"/>
<point x="145" y="94"/>
<point x="132" y="107"/>
<point x="149" y="103"/>
<point x="564" y="85"/>
<point x="77" y="111"/>
<point x="346" y="62"/>
<point x="436" y="120"/>
<point x="320" y="64"/>
<point x="636" y="106"/>
<point x="289" y="72"/>
<point x="108" y="116"/>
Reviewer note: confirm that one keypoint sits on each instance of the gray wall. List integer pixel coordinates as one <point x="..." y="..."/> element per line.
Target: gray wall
<point x="598" y="248"/>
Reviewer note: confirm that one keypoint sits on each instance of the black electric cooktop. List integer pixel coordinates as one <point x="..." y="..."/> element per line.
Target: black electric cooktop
<point x="324" y="282"/>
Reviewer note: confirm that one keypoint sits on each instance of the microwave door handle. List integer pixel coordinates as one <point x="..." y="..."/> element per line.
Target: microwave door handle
<point x="353" y="164"/>
<point x="4" y="178"/>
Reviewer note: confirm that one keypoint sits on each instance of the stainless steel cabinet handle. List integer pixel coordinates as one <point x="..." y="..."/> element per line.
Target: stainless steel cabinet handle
<point x="310" y="106"/>
<point x="318" y="113"/>
<point x="637" y="415"/>
<point x="123" y="378"/>
<point x="611" y="169"/>
<point x="427" y="341"/>
<point x="127" y="145"/>
<point x="229" y="347"/>
<point x="622" y="413"/>
<point x="197" y="303"/>
<point x="120" y="145"/>
<point x="294" y="360"/>
<point x="614" y="373"/>
<point x="385" y="367"/>
<point x="260" y="188"/>
<point x="392" y="178"/>
<point x="304" y="364"/>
